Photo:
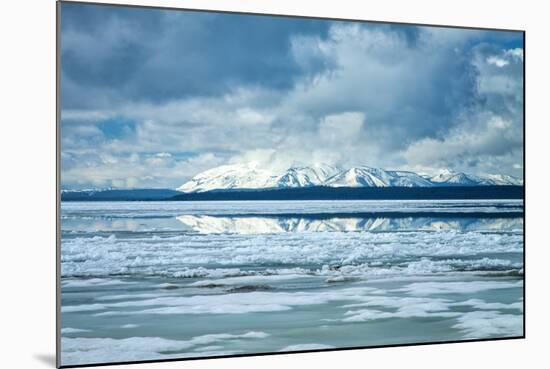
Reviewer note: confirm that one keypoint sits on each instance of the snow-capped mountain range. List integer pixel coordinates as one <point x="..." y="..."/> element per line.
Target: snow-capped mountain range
<point x="251" y="176"/>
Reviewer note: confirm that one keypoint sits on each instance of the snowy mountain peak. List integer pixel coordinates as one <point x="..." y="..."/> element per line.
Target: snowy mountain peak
<point x="374" y="177"/>
<point x="503" y="179"/>
<point x="449" y="177"/>
<point x="253" y="176"/>
<point x="248" y="175"/>
<point x="307" y="176"/>
<point x="359" y="177"/>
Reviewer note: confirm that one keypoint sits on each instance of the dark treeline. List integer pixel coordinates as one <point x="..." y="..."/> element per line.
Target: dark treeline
<point x="306" y="193"/>
<point x="363" y="193"/>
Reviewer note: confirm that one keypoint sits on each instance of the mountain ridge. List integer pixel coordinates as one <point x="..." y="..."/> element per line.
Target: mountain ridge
<point x="251" y="176"/>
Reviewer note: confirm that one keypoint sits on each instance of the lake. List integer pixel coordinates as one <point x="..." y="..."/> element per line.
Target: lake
<point x="160" y="280"/>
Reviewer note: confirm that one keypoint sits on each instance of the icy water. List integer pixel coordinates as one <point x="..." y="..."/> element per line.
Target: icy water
<point x="159" y="280"/>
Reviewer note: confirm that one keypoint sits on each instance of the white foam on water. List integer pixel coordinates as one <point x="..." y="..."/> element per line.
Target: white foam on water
<point x="238" y="303"/>
<point x="466" y="287"/>
<point x="202" y="309"/>
<point x="255" y="334"/>
<point x="252" y="279"/>
<point x="128" y="326"/>
<point x="100" y="350"/>
<point x="485" y="324"/>
<point x="479" y="304"/>
<point x="206" y="353"/>
<point x="220" y="256"/>
<point x="422" y="267"/>
<point x="208" y="348"/>
<point x="420" y="302"/>
<point x="404" y="307"/>
<point x="306" y="346"/>
<point x="68" y="330"/>
<point x="418" y="312"/>
<point x="340" y="279"/>
<point x="487" y="320"/>
<point x="132" y="296"/>
<point x="202" y="272"/>
<point x="81" y="308"/>
<point x="92" y="282"/>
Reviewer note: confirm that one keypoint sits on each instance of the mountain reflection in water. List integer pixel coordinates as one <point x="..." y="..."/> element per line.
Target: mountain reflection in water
<point x="211" y="224"/>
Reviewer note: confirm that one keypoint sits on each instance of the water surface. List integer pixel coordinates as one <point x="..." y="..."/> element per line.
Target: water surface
<point x="155" y="280"/>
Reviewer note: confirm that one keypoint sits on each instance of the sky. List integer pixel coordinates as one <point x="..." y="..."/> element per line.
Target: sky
<point x="150" y="98"/>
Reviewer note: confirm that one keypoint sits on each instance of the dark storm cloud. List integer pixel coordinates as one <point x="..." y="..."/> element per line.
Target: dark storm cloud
<point x="157" y="55"/>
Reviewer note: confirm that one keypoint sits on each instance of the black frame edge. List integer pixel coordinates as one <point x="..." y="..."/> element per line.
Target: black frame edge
<point x="58" y="184"/>
<point x="525" y="189"/>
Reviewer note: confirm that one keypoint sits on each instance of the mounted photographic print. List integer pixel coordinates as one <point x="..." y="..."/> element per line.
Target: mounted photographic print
<point x="240" y="184"/>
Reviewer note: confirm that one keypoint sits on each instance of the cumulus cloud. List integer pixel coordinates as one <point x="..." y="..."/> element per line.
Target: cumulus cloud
<point x="342" y="127"/>
<point x="494" y="144"/>
<point x="397" y="97"/>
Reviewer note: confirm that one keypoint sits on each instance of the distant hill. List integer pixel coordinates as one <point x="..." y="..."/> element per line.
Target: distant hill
<point x="118" y="195"/>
